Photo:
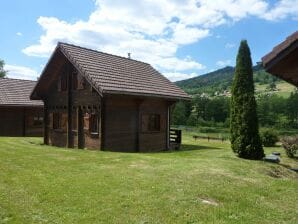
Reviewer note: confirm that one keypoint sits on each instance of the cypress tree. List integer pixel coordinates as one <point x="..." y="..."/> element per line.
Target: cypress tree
<point x="244" y="128"/>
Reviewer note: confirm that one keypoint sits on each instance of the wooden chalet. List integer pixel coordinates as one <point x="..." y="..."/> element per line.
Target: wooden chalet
<point x="19" y="116"/>
<point x="282" y="61"/>
<point x="101" y="101"/>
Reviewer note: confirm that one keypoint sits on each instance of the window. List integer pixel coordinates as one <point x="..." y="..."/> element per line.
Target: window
<point x="57" y="120"/>
<point x="37" y="121"/>
<point x="93" y="123"/>
<point x="150" y="122"/>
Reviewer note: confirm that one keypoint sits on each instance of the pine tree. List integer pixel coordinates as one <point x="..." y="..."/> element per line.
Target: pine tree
<point x="245" y="138"/>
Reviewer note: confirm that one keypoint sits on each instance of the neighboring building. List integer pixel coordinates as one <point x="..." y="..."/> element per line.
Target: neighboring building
<point x="19" y="116"/>
<point x="282" y="61"/>
<point x="108" y="102"/>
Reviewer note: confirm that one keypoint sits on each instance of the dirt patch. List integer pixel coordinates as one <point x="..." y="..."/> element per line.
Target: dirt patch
<point x="209" y="201"/>
<point x="280" y="172"/>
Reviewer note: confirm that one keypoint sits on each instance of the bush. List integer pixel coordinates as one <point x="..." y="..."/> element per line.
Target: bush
<point x="290" y="144"/>
<point x="269" y="137"/>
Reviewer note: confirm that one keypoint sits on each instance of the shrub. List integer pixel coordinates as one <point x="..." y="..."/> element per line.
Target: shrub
<point x="269" y="137"/>
<point x="290" y="144"/>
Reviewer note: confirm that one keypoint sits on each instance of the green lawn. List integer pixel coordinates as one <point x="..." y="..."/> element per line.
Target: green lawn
<point x="284" y="89"/>
<point x="42" y="184"/>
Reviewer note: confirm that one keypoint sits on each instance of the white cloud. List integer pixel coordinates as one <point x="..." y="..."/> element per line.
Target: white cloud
<point x="153" y="30"/>
<point x="20" y="72"/>
<point x="223" y="63"/>
<point x="282" y="9"/>
<point x="177" y="76"/>
<point x="230" y="45"/>
<point x="19" y="34"/>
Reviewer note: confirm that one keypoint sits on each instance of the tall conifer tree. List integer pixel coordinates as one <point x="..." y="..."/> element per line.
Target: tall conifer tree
<point x="245" y="138"/>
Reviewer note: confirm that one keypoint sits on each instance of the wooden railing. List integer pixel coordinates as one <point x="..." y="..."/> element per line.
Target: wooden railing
<point x="175" y="136"/>
<point x="209" y="138"/>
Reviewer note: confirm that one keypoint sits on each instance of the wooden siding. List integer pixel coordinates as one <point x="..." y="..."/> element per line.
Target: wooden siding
<point x="123" y="131"/>
<point x="120" y="124"/>
<point x="154" y="141"/>
<point x="19" y="121"/>
<point x="59" y="101"/>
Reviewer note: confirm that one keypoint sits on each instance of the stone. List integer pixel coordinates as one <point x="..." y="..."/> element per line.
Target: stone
<point x="272" y="158"/>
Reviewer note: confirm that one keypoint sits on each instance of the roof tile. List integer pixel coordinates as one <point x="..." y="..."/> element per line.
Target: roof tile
<point x="114" y="74"/>
<point x="16" y="92"/>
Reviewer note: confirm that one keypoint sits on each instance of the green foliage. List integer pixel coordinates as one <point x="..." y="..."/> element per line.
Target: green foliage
<point x="218" y="80"/>
<point x="271" y="109"/>
<point x="179" y="114"/>
<point x="269" y="137"/>
<point x="221" y="80"/>
<point x="192" y="120"/>
<point x="290" y="145"/>
<point x="2" y="71"/>
<point x="245" y="139"/>
<point x="262" y="77"/>
<point x="292" y="109"/>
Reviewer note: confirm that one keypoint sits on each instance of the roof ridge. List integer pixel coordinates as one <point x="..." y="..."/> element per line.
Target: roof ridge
<point x="97" y="51"/>
<point x="7" y="78"/>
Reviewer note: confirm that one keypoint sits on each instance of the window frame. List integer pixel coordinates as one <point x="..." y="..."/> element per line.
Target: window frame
<point x="153" y="123"/>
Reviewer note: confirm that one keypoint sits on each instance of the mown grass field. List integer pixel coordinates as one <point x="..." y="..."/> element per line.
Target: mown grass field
<point x="43" y="184"/>
<point x="284" y="89"/>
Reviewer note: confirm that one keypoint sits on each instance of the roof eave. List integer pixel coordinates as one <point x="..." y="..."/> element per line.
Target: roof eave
<point x="170" y="97"/>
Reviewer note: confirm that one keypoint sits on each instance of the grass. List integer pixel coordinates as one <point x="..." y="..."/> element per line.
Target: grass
<point x="43" y="184"/>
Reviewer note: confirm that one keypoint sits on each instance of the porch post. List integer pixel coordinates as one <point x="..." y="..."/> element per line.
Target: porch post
<point x="70" y="139"/>
<point x="81" y="137"/>
<point x="102" y="123"/>
<point x="168" y="127"/>
<point x="45" y="123"/>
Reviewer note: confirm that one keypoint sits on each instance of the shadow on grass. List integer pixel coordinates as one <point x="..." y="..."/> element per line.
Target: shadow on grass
<point x="190" y="147"/>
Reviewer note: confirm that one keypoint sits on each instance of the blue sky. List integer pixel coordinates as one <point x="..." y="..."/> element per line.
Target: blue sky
<point x="181" y="38"/>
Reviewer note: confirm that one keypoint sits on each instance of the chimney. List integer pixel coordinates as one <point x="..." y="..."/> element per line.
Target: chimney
<point x="128" y="55"/>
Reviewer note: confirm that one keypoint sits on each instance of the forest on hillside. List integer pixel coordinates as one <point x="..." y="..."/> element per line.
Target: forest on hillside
<point x="273" y="111"/>
<point x="209" y="108"/>
<point x="219" y="81"/>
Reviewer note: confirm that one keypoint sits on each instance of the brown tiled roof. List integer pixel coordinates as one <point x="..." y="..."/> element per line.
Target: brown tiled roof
<point x="16" y="92"/>
<point x="279" y="48"/>
<point x="118" y="75"/>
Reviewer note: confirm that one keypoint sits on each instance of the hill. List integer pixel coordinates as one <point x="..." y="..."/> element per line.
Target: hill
<point x="220" y="81"/>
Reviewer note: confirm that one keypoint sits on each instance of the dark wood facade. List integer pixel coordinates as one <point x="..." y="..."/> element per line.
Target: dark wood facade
<point x="19" y="116"/>
<point x="87" y="105"/>
<point x="282" y="60"/>
<point x="21" y="121"/>
<point x="112" y="122"/>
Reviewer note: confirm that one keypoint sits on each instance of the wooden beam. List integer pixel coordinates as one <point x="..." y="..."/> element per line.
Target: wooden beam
<point x="168" y="126"/>
<point x="138" y="128"/>
<point x="102" y="123"/>
<point x="81" y="135"/>
<point x="24" y="122"/>
<point x="45" y="123"/>
<point x="70" y="138"/>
